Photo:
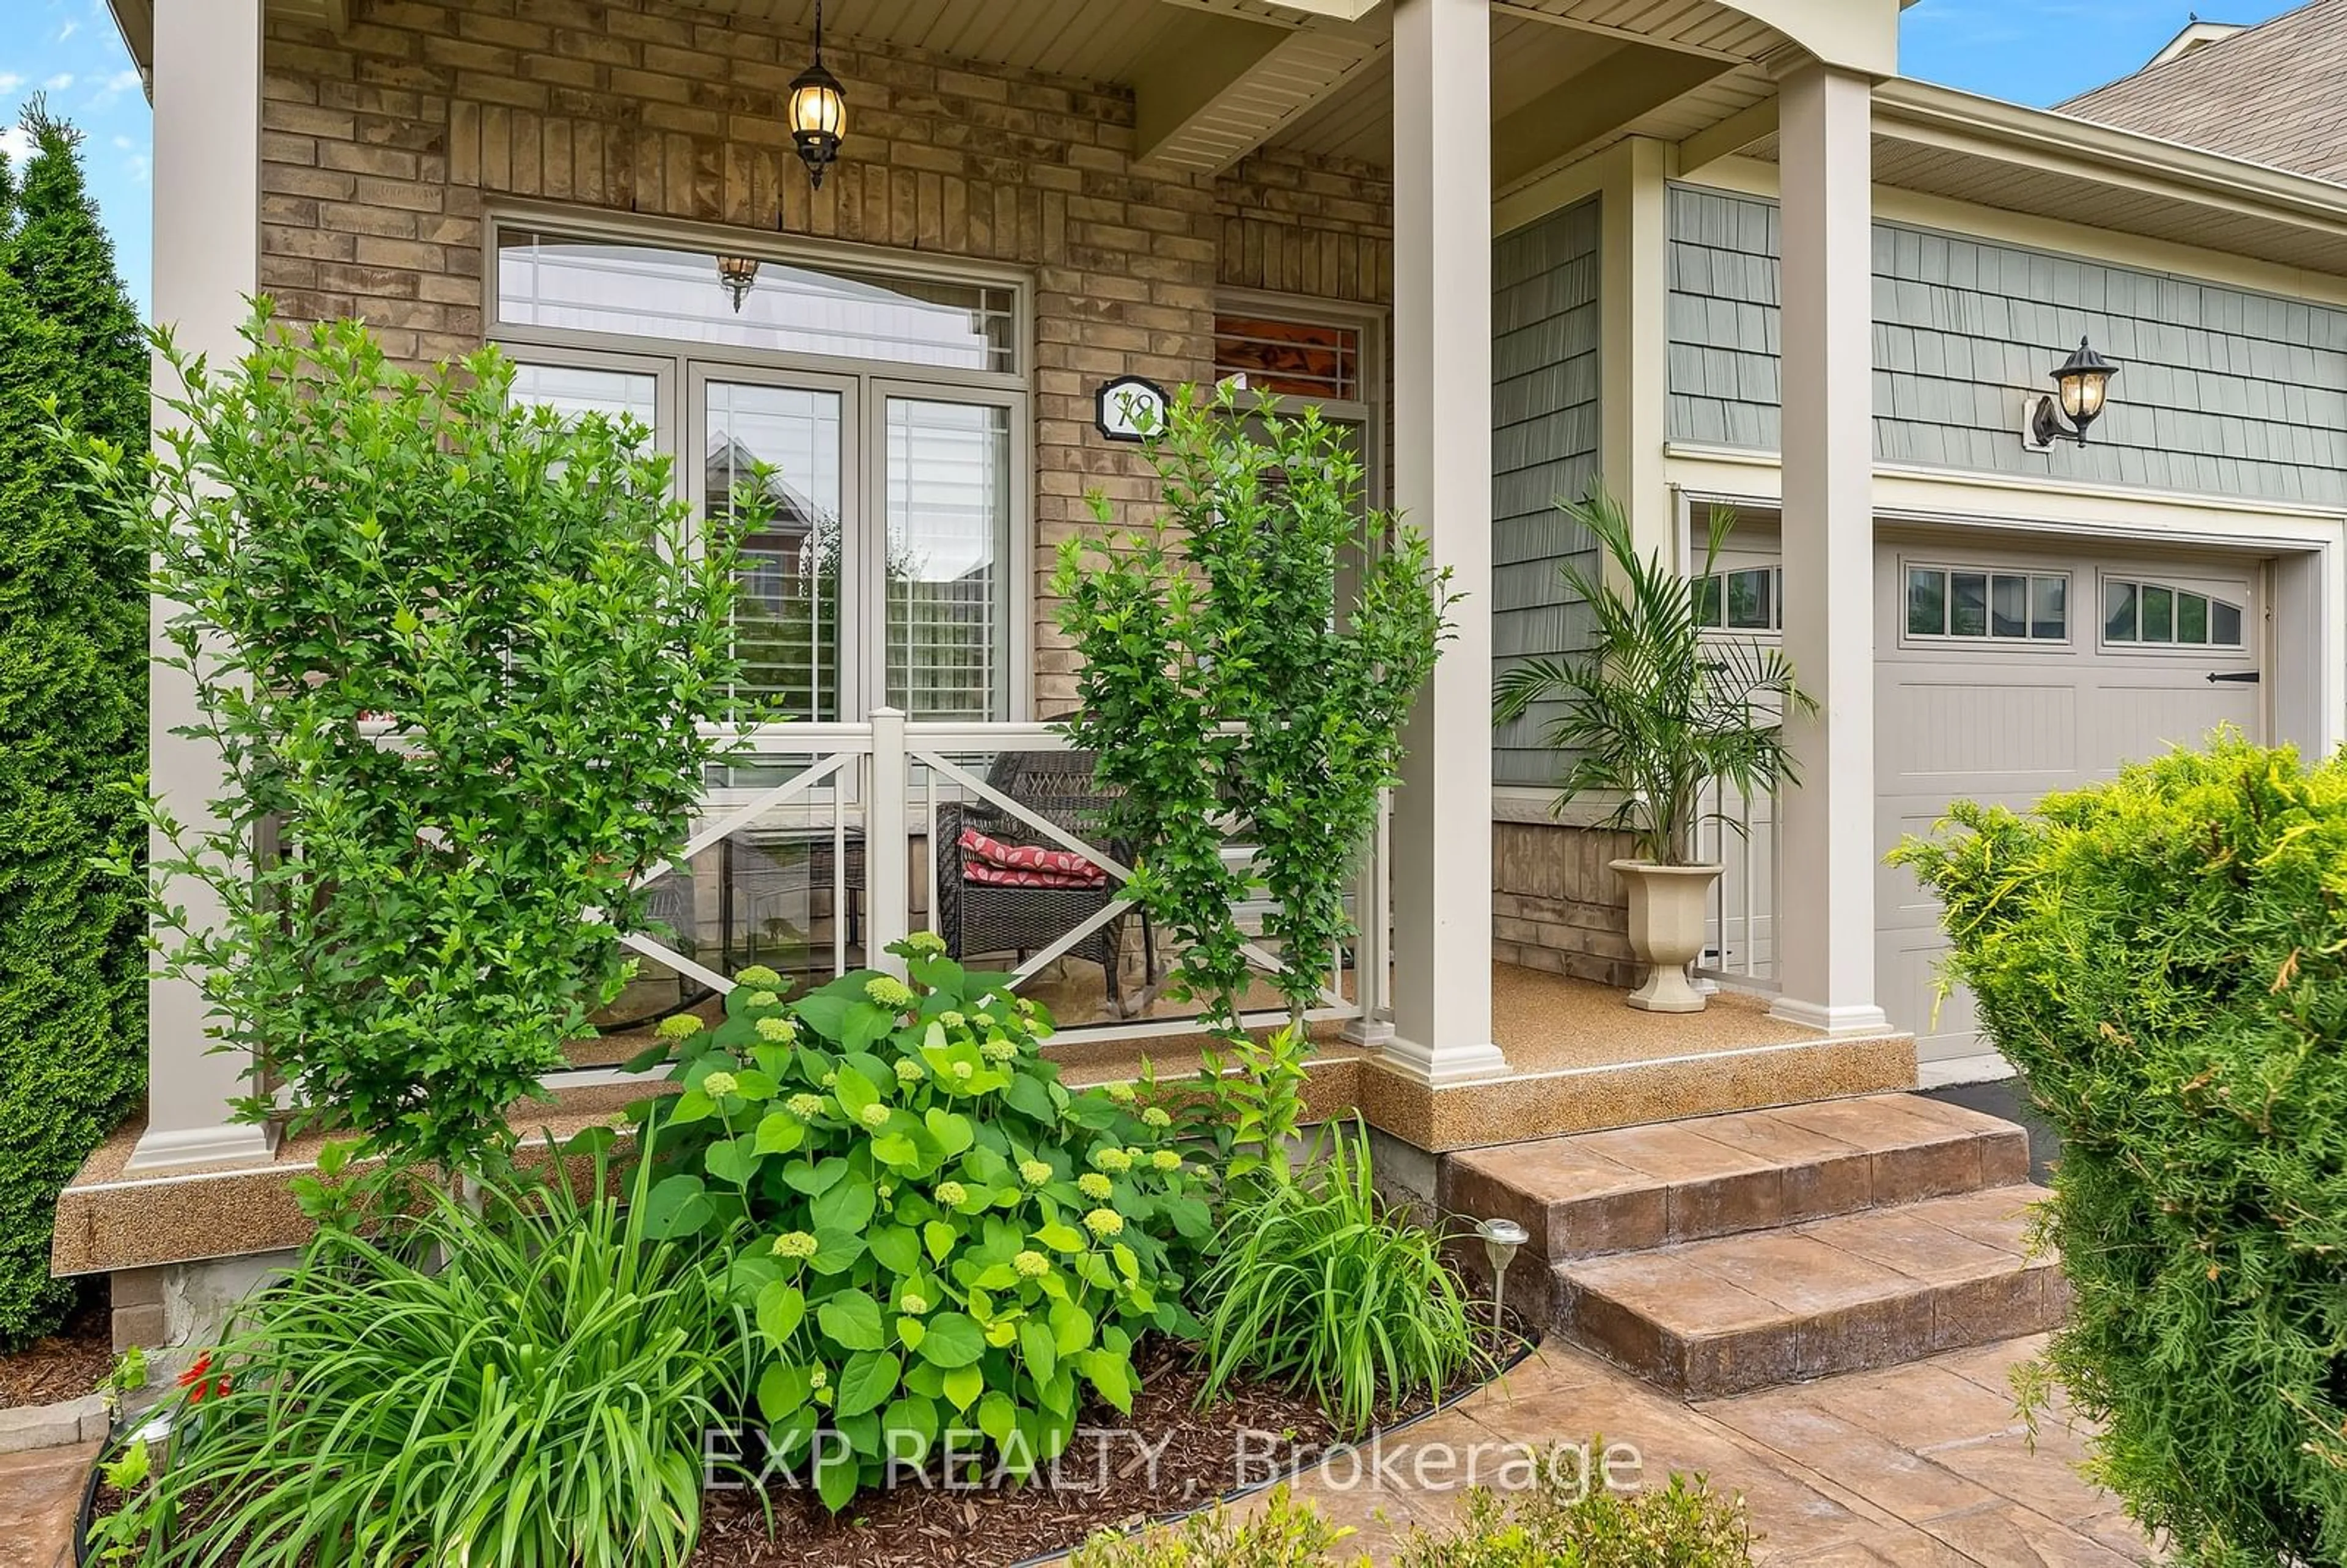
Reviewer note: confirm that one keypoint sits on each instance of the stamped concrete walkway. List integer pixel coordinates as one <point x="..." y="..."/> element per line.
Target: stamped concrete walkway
<point x="1921" y="1466"/>
<point x="40" y="1493"/>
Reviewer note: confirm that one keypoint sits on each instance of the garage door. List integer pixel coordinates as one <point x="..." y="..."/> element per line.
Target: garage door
<point x="2004" y="673"/>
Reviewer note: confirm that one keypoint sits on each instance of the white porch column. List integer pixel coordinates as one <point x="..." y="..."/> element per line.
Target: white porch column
<point x="1825" y="913"/>
<point x="1633" y="294"/>
<point x="207" y="259"/>
<point x="1442" y="483"/>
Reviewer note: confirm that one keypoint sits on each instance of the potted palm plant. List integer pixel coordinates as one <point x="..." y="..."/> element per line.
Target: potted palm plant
<point x="1653" y="714"/>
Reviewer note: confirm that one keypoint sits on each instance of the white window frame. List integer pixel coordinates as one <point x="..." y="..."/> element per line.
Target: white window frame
<point x="683" y="368"/>
<point x="1727" y="566"/>
<point x="878" y="392"/>
<point x="2240" y="596"/>
<point x="661" y="368"/>
<point x="1985" y="641"/>
<point x="1367" y="411"/>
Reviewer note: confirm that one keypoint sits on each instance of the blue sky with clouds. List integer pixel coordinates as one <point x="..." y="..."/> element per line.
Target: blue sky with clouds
<point x="69" y="51"/>
<point x="2034" y="54"/>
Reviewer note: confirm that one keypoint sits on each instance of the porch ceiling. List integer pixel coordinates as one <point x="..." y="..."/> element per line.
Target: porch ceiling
<point x="1094" y="40"/>
<point x="1212" y="79"/>
<point x="1560" y="90"/>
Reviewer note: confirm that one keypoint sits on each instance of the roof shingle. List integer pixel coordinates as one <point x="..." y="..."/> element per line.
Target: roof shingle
<point x="2274" y="93"/>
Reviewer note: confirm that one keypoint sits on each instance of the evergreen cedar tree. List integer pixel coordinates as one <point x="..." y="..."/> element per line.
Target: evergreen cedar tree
<point x="73" y="716"/>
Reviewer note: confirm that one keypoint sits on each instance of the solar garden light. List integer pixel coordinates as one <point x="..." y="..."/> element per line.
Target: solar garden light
<point x="1500" y="1239"/>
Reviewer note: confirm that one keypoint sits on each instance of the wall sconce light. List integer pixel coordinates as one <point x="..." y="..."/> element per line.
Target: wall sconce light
<point x="2081" y="384"/>
<point x="1500" y="1240"/>
<point x="739" y="275"/>
<point x="817" y="111"/>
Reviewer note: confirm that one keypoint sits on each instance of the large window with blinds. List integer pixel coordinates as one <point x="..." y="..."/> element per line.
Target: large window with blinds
<point x="856" y="428"/>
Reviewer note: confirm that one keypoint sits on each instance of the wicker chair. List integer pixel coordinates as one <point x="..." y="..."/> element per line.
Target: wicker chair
<point x="977" y="918"/>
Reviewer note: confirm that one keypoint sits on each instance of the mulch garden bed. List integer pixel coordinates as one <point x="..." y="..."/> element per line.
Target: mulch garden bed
<point x="1252" y="1435"/>
<point x="66" y="1365"/>
<point x="1244" y="1438"/>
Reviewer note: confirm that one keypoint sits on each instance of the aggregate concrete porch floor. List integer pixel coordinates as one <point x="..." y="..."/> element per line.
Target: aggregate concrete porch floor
<point x="1544" y="1023"/>
<point x="1925" y="1465"/>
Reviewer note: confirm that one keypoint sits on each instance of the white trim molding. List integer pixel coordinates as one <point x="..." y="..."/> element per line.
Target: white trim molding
<point x="1441" y="1067"/>
<point x="1849" y="1021"/>
<point x="239" y="1143"/>
<point x="1540" y="808"/>
<point x="1909" y="492"/>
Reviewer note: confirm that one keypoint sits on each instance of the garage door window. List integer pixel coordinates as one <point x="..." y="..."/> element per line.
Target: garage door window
<point x="2164" y="615"/>
<point x="1969" y="604"/>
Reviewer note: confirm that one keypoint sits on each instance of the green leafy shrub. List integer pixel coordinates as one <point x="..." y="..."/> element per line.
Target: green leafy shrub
<point x="73" y="718"/>
<point x="936" y="1237"/>
<point x="1282" y="1534"/>
<point x="1560" y="1521"/>
<point x="1226" y="690"/>
<point x="1564" y="1521"/>
<point x="524" y="1387"/>
<point x="1314" y="1283"/>
<point x="2165" y="957"/>
<point x="514" y="594"/>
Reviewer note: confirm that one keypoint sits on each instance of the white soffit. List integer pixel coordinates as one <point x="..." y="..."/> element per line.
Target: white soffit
<point x="1222" y="85"/>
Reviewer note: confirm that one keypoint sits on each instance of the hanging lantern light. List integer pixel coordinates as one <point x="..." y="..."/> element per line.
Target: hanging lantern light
<point x="739" y="274"/>
<point x="818" y="111"/>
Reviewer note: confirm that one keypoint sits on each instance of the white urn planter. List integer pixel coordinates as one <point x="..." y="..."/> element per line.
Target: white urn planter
<point x="1668" y="908"/>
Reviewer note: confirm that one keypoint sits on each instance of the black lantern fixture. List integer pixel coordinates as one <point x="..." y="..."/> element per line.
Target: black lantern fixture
<point x="739" y="275"/>
<point x="2081" y="384"/>
<point x="818" y="111"/>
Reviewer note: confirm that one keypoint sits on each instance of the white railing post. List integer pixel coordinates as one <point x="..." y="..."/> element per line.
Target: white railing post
<point x="886" y="878"/>
<point x="1751" y="893"/>
<point x="1371" y="1023"/>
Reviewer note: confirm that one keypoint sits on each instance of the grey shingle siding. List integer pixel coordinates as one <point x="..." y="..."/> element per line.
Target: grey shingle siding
<point x="2221" y="391"/>
<point x="1544" y="442"/>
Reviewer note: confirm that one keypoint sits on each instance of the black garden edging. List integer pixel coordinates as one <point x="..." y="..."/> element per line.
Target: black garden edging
<point x="1525" y="1346"/>
<point x="88" y="1515"/>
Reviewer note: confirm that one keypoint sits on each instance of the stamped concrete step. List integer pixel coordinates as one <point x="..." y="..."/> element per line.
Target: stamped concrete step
<point x="1870" y="1289"/>
<point x="1632" y="1188"/>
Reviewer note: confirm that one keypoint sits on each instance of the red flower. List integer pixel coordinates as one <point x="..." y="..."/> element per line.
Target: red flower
<point x="200" y="1384"/>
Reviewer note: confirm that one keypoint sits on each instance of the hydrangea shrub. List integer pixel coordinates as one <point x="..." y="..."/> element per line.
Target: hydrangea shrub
<point x="945" y="1251"/>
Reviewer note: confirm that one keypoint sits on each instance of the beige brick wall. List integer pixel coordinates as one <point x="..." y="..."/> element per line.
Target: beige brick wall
<point x="387" y="143"/>
<point x="1293" y="225"/>
<point x="1557" y="904"/>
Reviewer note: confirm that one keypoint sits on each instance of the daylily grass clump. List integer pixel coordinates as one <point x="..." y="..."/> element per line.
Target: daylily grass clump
<point x="944" y="1249"/>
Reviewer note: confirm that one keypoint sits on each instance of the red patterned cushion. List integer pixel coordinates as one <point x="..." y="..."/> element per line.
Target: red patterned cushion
<point x="979" y="871"/>
<point x="1000" y="864"/>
